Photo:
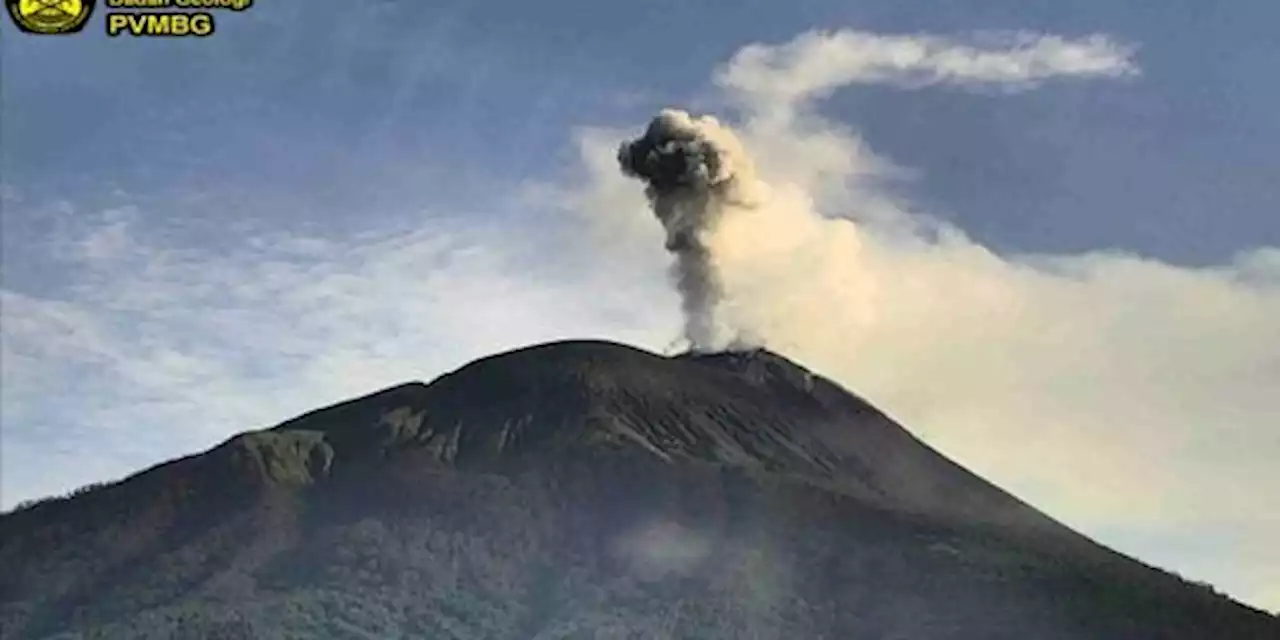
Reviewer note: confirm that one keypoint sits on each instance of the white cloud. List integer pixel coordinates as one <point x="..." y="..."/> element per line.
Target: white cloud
<point x="817" y="63"/>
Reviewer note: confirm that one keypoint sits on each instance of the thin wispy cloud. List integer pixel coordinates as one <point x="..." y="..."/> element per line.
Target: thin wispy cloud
<point x="161" y="349"/>
<point x="819" y="62"/>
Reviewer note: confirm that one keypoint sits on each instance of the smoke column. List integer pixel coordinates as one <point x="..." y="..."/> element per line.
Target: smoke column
<point x="696" y="173"/>
<point x="1026" y="368"/>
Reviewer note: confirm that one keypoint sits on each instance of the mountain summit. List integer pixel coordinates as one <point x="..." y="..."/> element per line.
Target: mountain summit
<point x="582" y="489"/>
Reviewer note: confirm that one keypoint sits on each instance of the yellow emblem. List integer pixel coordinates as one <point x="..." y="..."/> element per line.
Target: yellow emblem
<point x="50" y="17"/>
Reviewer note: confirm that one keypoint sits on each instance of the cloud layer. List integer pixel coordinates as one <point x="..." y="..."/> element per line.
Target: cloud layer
<point x="1126" y="396"/>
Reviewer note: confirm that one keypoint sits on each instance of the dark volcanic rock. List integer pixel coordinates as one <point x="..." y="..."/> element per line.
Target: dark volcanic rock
<point x="582" y="490"/>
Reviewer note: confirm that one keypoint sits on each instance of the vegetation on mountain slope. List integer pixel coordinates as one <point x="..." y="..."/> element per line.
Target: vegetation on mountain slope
<point x="581" y="490"/>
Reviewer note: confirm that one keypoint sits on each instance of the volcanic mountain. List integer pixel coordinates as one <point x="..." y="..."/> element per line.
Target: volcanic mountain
<point x="582" y="490"/>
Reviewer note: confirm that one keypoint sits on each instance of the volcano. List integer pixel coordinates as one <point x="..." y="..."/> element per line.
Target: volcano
<point x="582" y="489"/>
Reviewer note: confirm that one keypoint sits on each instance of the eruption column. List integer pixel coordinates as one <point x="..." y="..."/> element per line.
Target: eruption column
<point x="695" y="171"/>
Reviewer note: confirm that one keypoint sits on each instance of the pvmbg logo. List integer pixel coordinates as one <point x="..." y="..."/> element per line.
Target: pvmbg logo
<point x="50" y="17"/>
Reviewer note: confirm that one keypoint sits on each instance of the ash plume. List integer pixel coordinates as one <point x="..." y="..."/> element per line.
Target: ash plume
<point x="696" y="172"/>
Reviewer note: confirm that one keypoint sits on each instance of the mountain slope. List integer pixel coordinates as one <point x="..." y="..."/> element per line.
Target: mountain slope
<point x="581" y="489"/>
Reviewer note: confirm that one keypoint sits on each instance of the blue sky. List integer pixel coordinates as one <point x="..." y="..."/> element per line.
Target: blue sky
<point x="205" y="236"/>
